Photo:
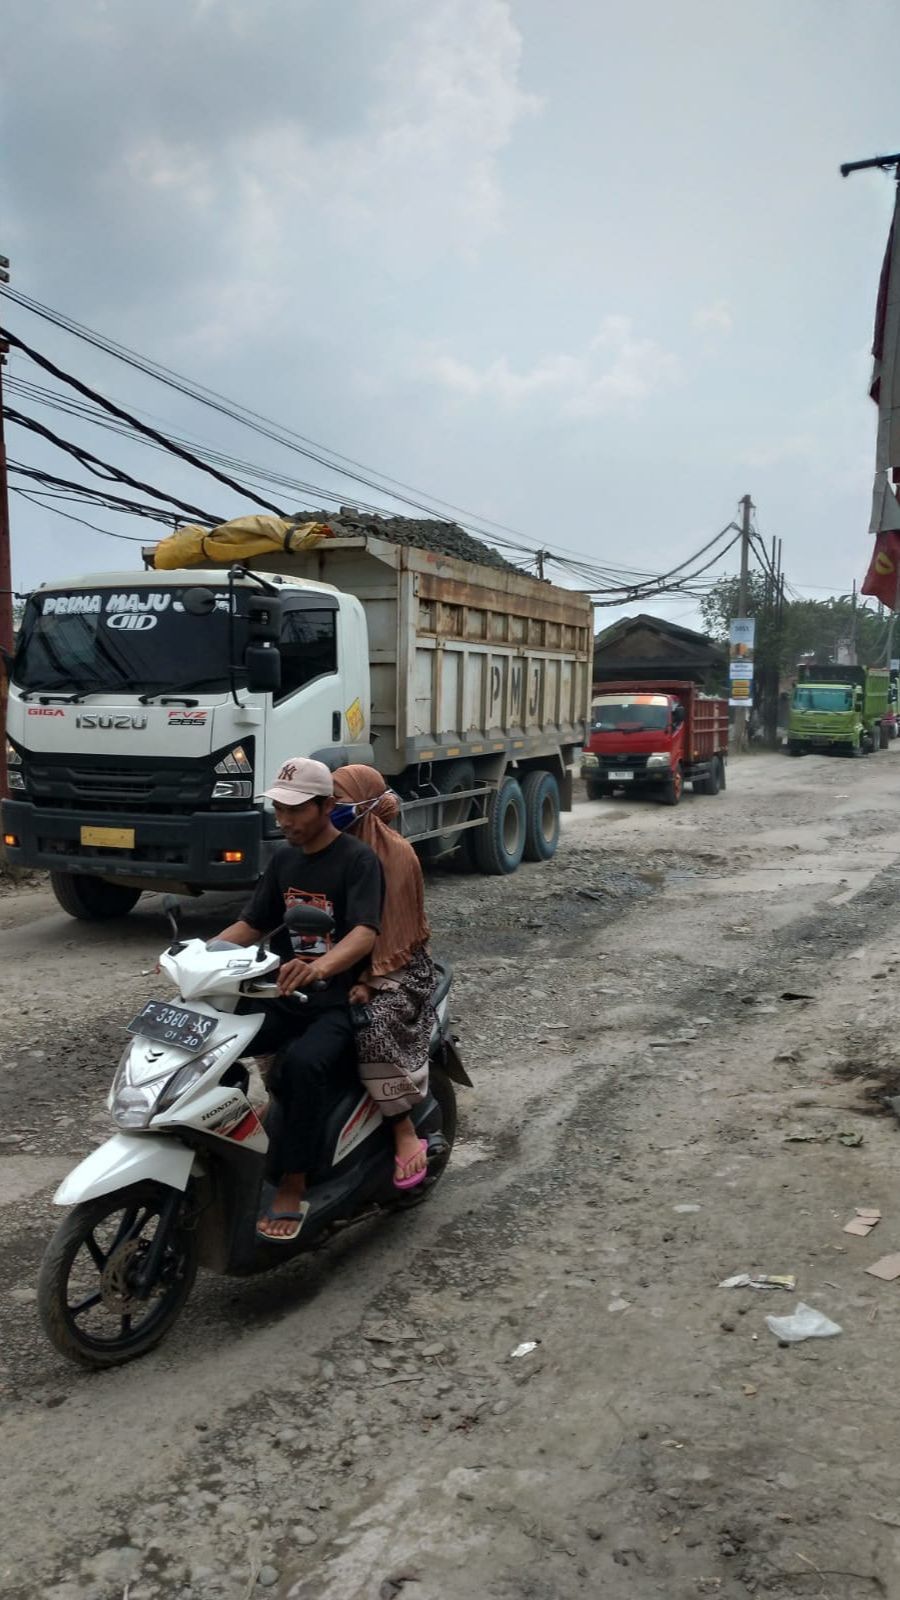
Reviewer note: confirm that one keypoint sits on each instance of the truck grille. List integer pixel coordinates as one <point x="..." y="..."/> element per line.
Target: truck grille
<point x="171" y="788"/>
<point x="625" y="763"/>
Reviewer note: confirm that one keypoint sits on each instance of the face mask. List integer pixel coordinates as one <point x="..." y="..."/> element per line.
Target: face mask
<point x="343" y="816"/>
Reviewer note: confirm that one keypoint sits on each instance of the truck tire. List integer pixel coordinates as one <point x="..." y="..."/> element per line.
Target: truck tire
<point x="875" y="737"/>
<point x="795" y="748"/>
<point x="673" y="788"/>
<point x="720" y="763"/>
<point x="709" y="784"/>
<point x="540" y="791"/>
<point x="500" y="844"/>
<point x="454" y="778"/>
<point x="91" y="899"/>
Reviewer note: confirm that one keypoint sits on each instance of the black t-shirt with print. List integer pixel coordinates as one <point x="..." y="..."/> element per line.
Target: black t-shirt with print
<point x="345" y="879"/>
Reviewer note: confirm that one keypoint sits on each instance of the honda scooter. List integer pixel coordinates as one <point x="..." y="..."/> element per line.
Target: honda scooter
<point x="182" y="1183"/>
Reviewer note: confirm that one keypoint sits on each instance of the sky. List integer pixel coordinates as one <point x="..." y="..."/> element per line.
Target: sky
<point x="587" y="270"/>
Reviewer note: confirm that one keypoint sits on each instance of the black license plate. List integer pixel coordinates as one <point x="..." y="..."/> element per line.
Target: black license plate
<point x="173" y="1025"/>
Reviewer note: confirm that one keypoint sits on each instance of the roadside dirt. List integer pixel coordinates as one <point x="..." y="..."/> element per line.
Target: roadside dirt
<point x="650" y="1117"/>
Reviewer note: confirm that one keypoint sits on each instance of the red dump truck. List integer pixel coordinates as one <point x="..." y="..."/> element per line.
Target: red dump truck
<point x="655" y="736"/>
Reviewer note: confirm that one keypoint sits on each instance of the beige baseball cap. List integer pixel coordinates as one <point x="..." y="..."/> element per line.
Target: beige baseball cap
<point x="300" y="779"/>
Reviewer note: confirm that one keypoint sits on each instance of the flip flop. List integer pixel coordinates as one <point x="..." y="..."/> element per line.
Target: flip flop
<point x="270" y="1215"/>
<point x="417" y="1177"/>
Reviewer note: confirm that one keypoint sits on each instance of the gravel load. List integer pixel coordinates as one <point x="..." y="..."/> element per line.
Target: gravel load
<point x="444" y="538"/>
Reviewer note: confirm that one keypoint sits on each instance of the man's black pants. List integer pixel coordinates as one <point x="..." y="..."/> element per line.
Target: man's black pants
<point x="315" y="1062"/>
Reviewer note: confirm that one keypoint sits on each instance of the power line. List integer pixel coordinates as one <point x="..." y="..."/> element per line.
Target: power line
<point x="130" y="538"/>
<point x="94" y="464"/>
<point x="133" y="422"/>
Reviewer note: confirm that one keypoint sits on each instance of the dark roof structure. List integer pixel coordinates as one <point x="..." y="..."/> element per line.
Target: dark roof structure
<point x="644" y="647"/>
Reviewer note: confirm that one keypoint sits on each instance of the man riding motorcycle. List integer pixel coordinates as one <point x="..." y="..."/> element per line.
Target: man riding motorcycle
<point x="337" y="873"/>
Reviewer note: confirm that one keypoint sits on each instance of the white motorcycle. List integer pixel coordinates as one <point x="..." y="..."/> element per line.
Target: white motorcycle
<point x="181" y="1184"/>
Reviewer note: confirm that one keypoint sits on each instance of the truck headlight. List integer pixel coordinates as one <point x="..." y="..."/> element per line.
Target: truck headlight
<point x="14" y="778"/>
<point x="659" y="758"/>
<point x="232" y="789"/>
<point x="235" y="776"/>
<point x="236" y="762"/>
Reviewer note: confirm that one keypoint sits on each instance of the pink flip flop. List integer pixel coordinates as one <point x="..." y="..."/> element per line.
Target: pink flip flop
<point x="417" y="1177"/>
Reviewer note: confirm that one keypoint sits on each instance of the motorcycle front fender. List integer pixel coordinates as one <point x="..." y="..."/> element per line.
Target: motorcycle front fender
<point x="123" y="1160"/>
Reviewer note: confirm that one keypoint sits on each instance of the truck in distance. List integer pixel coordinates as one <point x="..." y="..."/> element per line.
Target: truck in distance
<point x="654" y="737"/>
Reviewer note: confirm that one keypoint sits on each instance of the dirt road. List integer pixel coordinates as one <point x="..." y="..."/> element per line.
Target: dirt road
<point x="651" y="1116"/>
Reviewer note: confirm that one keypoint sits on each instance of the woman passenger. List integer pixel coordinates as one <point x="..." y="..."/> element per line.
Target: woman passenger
<point x="399" y="978"/>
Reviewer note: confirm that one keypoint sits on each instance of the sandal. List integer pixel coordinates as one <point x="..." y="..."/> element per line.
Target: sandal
<point x="417" y="1177"/>
<point x="270" y="1215"/>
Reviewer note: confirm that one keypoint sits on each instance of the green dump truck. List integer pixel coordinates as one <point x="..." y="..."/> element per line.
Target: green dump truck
<point x="840" y="708"/>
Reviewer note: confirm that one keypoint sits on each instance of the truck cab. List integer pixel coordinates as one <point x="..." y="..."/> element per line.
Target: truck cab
<point x="825" y="716"/>
<point x="655" y="737"/>
<point x="635" y="742"/>
<point x="140" y="731"/>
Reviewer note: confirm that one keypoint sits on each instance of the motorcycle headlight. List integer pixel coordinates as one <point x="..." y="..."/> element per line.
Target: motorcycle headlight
<point x="141" y="1087"/>
<point x="659" y="758"/>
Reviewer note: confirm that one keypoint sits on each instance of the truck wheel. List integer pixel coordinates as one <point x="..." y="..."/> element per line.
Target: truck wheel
<point x="500" y="844"/>
<point x="540" y="791"/>
<point x="721" y="767"/>
<point x="876" y="738"/>
<point x="91" y="899"/>
<point x="673" y="788"/>
<point x="795" y="748"/>
<point x="455" y="778"/>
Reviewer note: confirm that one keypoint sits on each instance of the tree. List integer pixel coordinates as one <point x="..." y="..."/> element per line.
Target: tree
<point x="816" y="627"/>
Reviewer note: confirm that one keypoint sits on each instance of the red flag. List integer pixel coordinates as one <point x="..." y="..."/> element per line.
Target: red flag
<point x="883" y="577"/>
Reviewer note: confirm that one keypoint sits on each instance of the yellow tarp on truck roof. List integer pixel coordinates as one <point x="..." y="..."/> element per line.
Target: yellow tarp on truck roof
<point x="239" y="540"/>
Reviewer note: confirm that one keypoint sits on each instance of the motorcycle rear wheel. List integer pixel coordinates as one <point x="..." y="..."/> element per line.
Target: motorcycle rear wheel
<point x="84" y="1303"/>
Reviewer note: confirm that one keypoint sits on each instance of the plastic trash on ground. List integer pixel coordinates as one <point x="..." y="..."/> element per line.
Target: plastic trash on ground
<point x="524" y="1349"/>
<point x="805" y="1323"/>
<point x="760" y="1280"/>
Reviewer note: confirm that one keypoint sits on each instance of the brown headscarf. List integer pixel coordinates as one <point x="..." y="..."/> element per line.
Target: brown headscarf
<point x="404" y="925"/>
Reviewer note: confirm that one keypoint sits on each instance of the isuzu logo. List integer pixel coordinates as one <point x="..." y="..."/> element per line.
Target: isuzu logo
<point x="133" y="621"/>
<point x="96" y="719"/>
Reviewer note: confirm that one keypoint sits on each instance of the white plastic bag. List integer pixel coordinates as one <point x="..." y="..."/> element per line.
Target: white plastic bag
<point x="805" y="1323"/>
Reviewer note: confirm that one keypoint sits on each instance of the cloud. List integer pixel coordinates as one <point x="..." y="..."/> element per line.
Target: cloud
<point x="617" y="369"/>
<point x="716" y="318"/>
<point x="255" y="140"/>
<point x="790" y="447"/>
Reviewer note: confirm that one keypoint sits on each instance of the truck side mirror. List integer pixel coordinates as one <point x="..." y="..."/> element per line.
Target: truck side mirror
<point x="677" y="716"/>
<point x="263" y="666"/>
<point x="264" y="613"/>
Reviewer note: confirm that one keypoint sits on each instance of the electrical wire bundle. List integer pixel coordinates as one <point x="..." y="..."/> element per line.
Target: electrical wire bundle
<point x="254" y="482"/>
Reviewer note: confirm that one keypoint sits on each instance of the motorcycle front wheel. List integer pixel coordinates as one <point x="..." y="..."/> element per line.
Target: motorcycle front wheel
<point x="87" y="1289"/>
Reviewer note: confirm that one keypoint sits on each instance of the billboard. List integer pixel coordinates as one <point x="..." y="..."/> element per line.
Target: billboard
<point x="741" y="638"/>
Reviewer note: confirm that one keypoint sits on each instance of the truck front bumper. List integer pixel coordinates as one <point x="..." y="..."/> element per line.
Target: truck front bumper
<point x="187" y="848"/>
<point x="619" y="775"/>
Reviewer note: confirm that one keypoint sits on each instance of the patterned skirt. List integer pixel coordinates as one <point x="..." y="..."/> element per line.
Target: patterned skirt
<point x="393" y="1047"/>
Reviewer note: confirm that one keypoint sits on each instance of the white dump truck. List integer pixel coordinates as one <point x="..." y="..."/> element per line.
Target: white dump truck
<point x="148" y="710"/>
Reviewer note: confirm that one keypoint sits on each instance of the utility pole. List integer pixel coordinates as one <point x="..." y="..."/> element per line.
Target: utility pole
<point x="853" y="650"/>
<point x="739" y="731"/>
<point x="6" y="598"/>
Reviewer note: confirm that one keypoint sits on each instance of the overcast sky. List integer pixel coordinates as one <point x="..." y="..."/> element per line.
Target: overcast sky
<point x="587" y="269"/>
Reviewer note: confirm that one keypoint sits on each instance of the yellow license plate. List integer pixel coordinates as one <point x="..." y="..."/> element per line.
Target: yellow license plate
<point x="109" y="838"/>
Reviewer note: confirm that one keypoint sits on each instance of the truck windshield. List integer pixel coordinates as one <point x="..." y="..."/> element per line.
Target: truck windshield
<point x="818" y="697"/>
<point x="134" y="640"/>
<point x="629" y="716"/>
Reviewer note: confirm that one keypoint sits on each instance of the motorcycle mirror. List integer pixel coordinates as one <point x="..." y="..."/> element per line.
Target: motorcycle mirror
<point x="198" y="602"/>
<point x="172" y="909"/>
<point x="308" y="919"/>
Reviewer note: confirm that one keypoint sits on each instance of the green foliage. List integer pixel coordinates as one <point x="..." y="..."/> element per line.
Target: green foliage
<point x="817" y="626"/>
